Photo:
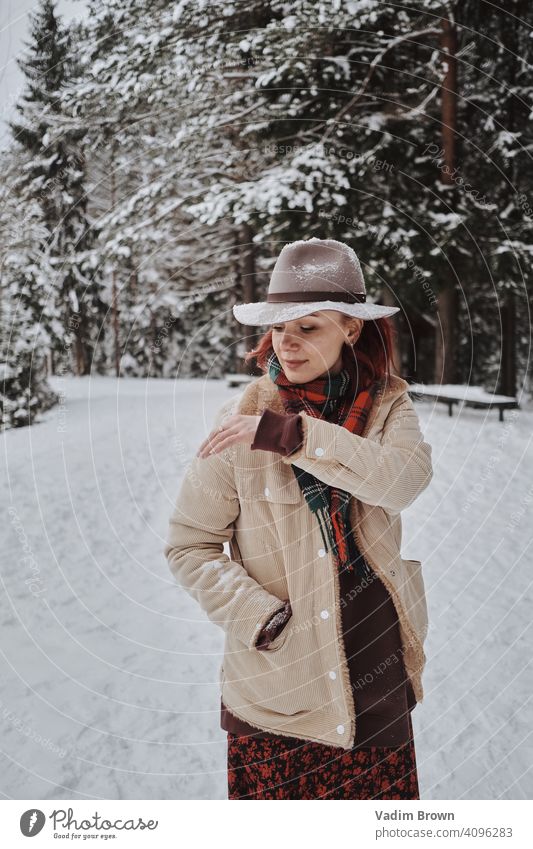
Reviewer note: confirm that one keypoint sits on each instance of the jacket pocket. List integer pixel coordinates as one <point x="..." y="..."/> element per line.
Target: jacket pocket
<point x="284" y="681"/>
<point x="274" y="485"/>
<point x="414" y="593"/>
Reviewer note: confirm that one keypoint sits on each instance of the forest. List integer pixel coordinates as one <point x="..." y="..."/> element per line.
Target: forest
<point x="158" y="163"/>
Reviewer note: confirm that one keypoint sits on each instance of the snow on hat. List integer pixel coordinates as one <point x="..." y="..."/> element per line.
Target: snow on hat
<point x="311" y="275"/>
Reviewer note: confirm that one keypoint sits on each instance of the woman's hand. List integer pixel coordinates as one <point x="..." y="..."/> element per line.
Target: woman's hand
<point x="236" y="428"/>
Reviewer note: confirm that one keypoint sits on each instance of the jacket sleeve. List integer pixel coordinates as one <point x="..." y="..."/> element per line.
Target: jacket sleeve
<point x="201" y="522"/>
<point x="389" y="473"/>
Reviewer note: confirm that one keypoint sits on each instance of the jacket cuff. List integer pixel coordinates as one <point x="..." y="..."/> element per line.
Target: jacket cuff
<point x="254" y="614"/>
<point x="279" y="432"/>
<point x="274" y="627"/>
<point x="318" y="441"/>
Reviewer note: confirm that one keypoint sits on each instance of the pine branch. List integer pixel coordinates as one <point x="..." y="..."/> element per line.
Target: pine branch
<point x="372" y="68"/>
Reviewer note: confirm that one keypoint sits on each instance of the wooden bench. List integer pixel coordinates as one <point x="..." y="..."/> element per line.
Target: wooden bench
<point x="471" y="396"/>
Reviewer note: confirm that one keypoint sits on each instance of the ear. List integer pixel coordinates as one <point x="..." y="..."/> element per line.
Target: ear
<point x="354" y="327"/>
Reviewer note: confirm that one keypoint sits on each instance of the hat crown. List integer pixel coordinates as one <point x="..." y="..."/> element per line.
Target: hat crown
<point x="316" y="266"/>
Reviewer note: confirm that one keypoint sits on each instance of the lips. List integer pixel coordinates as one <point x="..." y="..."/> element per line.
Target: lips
<point x="294" y="363"/>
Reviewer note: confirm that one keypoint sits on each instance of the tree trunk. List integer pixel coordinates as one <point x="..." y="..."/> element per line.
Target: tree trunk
<point x="388" y="300"/>
<point x="508" y="371"/>
<point x="247" y="263"/>
<point x="114" y="310"/>
<point x="80" y="359"/>
<point x="114" y="289"/>
<point x="445" y="361"/>
<point x="447" y="302"/>
<point x="238" y="364"/>
<point x="248" y="284"/>
<point x="83" y="358"/>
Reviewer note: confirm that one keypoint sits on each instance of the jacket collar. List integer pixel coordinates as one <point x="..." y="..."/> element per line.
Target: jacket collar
<point x="263" y="393"/>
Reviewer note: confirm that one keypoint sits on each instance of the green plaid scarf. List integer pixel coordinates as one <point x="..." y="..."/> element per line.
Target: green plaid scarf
<point x="334" y="398"/>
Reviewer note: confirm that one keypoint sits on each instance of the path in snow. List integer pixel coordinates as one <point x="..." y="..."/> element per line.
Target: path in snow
<point x="110" y="671"/>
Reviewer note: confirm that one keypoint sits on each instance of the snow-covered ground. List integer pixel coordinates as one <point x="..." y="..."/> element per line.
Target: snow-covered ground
<point x="109" y="670"/>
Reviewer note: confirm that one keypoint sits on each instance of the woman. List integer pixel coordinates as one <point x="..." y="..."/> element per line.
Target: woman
<point x="305" y="475"/>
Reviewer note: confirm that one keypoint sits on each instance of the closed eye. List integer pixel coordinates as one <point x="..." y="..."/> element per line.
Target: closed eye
<point x="305" y="329"/>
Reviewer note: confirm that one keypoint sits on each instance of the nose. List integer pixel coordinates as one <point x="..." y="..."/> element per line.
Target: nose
<point x="288" y="342"/>
<point x="289" y="348"/>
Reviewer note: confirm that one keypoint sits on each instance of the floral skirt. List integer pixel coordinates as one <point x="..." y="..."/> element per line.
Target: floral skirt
<point x="279" y="767"/>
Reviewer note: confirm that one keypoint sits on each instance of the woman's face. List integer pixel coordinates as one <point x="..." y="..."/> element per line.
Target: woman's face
<point x="311" y="346"/>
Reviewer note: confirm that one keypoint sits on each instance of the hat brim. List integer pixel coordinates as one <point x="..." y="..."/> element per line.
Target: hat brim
<point x="265" y="312"/>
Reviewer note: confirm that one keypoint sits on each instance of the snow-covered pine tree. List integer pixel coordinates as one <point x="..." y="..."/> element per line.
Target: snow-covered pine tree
<point x="55" y="176"/>
<point x="25" y="307"/>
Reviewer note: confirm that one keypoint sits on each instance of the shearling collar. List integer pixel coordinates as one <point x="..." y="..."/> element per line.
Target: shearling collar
<point x="263" y="392"/>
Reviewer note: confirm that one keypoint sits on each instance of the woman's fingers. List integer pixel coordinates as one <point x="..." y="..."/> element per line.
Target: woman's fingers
<point x="236" y="428"/>
<point x="209" y="439"/>
<point x="216" y="441"/>
<point x="207" y="444"/>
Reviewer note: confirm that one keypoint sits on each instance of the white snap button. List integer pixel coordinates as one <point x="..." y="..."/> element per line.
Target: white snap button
<point x="321" y="552"/>
<point x="324" y="614"/>
<point x="267" y="491"/>
<point x="332" y="674"/>
<point x="340" y="729"/>
<point x="319" y="452"/>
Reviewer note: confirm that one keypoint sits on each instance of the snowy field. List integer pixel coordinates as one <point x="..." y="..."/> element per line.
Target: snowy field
<point x="110" y="671"/>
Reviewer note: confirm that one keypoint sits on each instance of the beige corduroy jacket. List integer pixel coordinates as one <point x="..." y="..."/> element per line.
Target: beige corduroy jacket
<point x="251" y="500"/>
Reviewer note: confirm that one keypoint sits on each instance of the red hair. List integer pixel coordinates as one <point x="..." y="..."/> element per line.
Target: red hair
<point x="373" y="351"/>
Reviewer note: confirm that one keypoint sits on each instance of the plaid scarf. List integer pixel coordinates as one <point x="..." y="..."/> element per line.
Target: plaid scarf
<point x="334" y="398"/>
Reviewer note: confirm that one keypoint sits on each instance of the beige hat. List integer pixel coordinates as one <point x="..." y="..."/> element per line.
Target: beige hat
<point x="311" y="275"/>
